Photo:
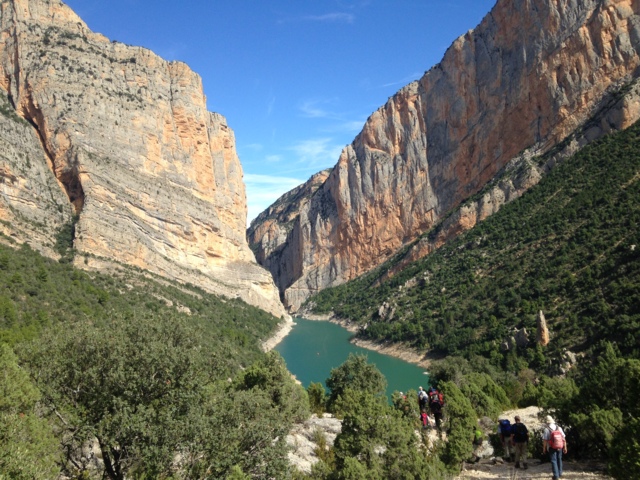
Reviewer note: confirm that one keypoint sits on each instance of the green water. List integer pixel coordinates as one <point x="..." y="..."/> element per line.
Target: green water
<point x="313" y="348"/>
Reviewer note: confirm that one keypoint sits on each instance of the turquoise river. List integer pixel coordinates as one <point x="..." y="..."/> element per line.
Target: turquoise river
<point x="313" y="348"/>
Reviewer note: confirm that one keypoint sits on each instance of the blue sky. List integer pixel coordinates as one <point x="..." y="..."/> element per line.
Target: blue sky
<point x="296" y="79"/>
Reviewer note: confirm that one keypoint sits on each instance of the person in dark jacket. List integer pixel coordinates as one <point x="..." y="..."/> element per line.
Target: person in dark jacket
<point x="520" y="442"/>
<point x="436" y="403"/>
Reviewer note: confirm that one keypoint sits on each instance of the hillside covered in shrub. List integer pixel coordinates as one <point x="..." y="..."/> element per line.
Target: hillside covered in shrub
<point x="112" y="376"/>
<point x="570" y="247"/>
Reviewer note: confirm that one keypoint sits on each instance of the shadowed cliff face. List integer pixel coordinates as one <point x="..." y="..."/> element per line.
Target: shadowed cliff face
<point x="153" y="176"/>
<point x="529" y="75"/>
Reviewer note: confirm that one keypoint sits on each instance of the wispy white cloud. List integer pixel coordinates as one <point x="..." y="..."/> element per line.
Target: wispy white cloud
<point x="348" y="126"/>
<point x="273" y="158"/>
<point x="406" y="80"/>
<point x="256" y="147"/>
<point x="270" y="105"/>
<point x="353" y="5"/>
<point x="317" y="152"/>
<point x="264" y="190"/>
<point x="367" y="84"/>
<point x="315" y="109"/>
<point x="331" y="17"/>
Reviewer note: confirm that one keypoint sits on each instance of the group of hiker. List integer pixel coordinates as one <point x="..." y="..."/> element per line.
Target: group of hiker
<point x="515" y="440"/>
<point x="514" y="437"/>
<point x="431" y="401"/>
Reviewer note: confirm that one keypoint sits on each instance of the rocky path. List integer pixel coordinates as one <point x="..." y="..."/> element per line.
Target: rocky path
<point x="536" y="470"/>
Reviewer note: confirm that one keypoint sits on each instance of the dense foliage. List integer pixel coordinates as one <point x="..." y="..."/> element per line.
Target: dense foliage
<point x="157" y="380"/>
<point x="36" y="292"/>
<point x="377" y="440"/>
<point x="569" y="247"/>
<point x="28" y="447"/>
<point x="354" y="374"/>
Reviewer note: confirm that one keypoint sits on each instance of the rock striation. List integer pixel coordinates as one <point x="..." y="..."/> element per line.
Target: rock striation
<point x="518" y="86"/>
<point x="122" y="139"/>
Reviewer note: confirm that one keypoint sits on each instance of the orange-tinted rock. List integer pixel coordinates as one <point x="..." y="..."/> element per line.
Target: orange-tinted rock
<point x="542" y="337"/>
<point x="532" y="73"/>
<point x="153" y="176"/>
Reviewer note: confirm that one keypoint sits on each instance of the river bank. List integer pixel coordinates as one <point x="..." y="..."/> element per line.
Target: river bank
<point x="284" y="328"/>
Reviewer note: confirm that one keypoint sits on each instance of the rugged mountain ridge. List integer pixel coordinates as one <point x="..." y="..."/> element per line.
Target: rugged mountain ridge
<point x="127" y="151"/>
<point x="532" y="74"/>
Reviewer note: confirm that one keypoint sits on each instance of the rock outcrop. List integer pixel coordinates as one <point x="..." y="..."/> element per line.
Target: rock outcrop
<point x="529" y="76"/>
<point x="303" y="439"/>
<point x="125" y="136"/>
<point x="542" y="336"/>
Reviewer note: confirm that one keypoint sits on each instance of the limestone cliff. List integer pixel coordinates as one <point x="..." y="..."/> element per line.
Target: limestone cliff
<point x="268" y="232"/>
<point x="125" y="136"/>
<point x="530" y="75"/>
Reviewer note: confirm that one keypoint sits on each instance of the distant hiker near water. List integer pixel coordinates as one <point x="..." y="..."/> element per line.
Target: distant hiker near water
<point x="436" y="403"/>
<point x="554" y="442"/>
<point x="423" y="399"/>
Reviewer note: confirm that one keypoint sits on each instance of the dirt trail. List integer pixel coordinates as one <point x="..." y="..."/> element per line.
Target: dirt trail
<point x="536" y="470"/>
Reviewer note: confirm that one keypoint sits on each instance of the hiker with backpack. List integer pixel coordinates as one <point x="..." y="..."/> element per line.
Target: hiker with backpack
<point x="423" y="399"/>
<point x="520" y="441"/>
<point x="504" y="432"/>
<point x="554" y="442"/>
<point x="436" y="403"/>
<point x="424" y="418"/>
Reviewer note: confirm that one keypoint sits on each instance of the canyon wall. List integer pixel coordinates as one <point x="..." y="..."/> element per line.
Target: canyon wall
<point x="532" y="73"/>
<point x="120" y="141"/>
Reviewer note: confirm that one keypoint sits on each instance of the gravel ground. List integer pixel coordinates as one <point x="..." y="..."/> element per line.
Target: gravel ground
<point x="536" y="470"/>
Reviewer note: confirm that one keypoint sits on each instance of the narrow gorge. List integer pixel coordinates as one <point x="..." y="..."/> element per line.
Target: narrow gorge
<point x="536" y="79"/>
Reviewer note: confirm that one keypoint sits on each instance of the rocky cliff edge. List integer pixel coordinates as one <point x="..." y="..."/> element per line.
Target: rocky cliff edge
<point x="119" y="141"/>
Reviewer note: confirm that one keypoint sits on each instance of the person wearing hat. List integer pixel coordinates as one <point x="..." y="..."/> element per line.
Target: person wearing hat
<point x="554" y="442"/>
<point x="423" y="399"/>
<point x="520" y="441"/>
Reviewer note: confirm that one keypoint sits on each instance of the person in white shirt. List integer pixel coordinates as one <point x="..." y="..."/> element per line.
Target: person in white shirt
<point x="554" y="442"/>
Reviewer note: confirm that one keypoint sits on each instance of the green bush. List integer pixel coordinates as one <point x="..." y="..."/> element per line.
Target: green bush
<point x="317" y="398"/>
<point x="460" y="417"/>
<point x="624" y="454"/>
<point x="376" y="439"/>
<point x="354" y="374"/>
<point x="487" y="398"/>
<point x="270" y="376"/>
<point x="131" y="383"/>
<point x="28" y="447"/>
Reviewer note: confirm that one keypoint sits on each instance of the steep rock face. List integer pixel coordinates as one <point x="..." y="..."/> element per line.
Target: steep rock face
<point x="529" y="75"/>
<point x="32" y="203"/>
<point x="616" y="112"/>
<point x="268" y="232"/>
<point x="153" y="176"/>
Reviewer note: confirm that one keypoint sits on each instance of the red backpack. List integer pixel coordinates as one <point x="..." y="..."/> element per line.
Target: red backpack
<point x="556" y="439"/>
